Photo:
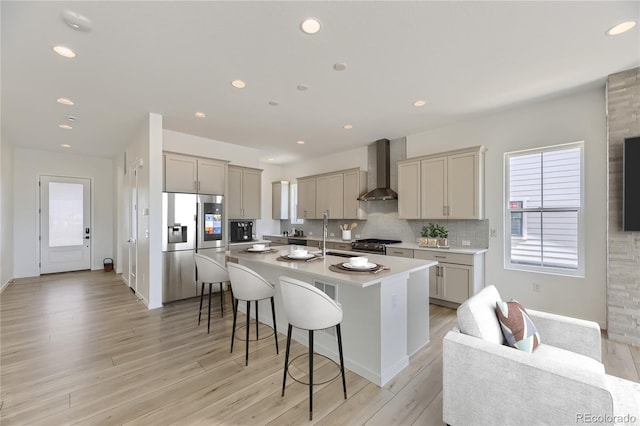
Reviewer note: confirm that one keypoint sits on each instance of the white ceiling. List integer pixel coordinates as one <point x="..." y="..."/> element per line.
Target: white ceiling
<point x="175" y="58"/>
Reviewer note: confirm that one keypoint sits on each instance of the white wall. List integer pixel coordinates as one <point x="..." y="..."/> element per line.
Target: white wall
<point x="577" y="117"/>
<point x="28" y="166"/>
<point x="146" y="152"/>
<point x="352" y="158"/>
<point x="6" y="213"/>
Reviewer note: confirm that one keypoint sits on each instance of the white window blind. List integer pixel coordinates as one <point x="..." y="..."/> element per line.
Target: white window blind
<point x="543" y="209"/>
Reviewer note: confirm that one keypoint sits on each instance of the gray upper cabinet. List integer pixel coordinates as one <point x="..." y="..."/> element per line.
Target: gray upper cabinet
<point x="245" y="192"/>
<point x="443" y="186"/>
<point x="183" y="173"/>
<point x="280" y="200"/>
<point x="335" y="192"/>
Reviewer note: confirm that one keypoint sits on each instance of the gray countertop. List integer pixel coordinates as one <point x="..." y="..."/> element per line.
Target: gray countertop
<point x="404" y="245"/>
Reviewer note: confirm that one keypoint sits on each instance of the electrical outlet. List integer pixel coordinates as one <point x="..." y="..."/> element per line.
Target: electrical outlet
<point x="310" y="234"/>
<point x="357" y="235"/>
<point x="466" y="242"/>
<point x="494" y="233"/>
<point x="536" y="288"/>
<point x="332" y="234"/>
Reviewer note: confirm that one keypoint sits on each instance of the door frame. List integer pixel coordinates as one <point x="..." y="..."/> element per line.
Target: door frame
<point x="39" y="216"/>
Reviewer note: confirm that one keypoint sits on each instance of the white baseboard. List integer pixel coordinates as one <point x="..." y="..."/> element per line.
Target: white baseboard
<point x="5" y="285"/>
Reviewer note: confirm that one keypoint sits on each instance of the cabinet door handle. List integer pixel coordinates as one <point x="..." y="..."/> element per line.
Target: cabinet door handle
<point x="440" y="257"/>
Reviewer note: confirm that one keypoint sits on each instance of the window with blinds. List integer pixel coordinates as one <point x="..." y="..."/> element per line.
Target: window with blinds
<point x="544" y="209"/>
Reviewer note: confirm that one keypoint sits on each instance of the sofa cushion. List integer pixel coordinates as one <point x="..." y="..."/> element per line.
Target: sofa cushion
<point x="477" y="316"/>
<point x="517" y="328"/>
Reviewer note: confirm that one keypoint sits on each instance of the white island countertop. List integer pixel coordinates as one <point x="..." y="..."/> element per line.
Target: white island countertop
<point x="320" y="267"/>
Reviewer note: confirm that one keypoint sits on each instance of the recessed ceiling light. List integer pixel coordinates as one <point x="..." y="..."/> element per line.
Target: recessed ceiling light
<point x="200" y="114"/>
<point x="419" y="103"/>
<point x="65" y="101"/>
<point x="271" y="159"/>
<point x="302" y="87"/>
<point x="621" y="28"/>
<point x="274" y="103"/>
<point x="76" y="21"/>
<point x="310" y="25"/>
<point x="65" y="126"/>
<point x="64" y="51"/>
<point x="300" y="142"/>
<point x="238" y="84"/>
<point x="65" y="145"/>
<point x="347" y="127"/>
<point x="340" y="66"/>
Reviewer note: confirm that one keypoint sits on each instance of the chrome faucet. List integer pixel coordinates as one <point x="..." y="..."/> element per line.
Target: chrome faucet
<point x="325" y="229"/>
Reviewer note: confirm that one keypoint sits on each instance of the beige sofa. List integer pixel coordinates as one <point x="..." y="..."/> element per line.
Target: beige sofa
<point x="562" y="382"/>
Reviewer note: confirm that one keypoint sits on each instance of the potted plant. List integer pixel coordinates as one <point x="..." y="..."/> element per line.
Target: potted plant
<point x="434" y="235"/>
<point x="443" y="236"/>
<point x="429" y="235"/>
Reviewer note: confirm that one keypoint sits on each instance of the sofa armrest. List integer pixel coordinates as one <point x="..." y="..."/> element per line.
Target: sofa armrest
<point x="487" y="383"/>
<point x="572" y="334"/>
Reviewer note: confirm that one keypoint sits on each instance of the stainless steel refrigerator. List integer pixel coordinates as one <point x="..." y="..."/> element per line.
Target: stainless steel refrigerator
<point x="190" y="223"/>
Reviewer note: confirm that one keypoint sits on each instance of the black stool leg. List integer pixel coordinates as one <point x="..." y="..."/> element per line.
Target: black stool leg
<point x="246" y="351"/>
<point x="286" y="358"/>
<point x="221" y="301"/>
<point x="310" y="374"/>
<point x="233" y="330"/>
<point x="201" y="297"/>
<point x="257" y="320"/>
<point x="209" y="317"/>
<point x="275" y="330"/>
<point x="344" y="382"/>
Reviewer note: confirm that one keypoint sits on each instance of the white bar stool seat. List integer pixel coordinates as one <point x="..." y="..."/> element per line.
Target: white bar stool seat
<point x="249" y="286"/>
<point x="309" y="308"/>
<point x="210" y="271"/>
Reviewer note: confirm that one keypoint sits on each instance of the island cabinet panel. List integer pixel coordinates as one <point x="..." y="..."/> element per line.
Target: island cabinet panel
<point x="330" y="196"/>
<point x="307" y="198"/>
<point x="385" y="316"/>
<point x="409" y="190"/>
<point x="245" y="192"/>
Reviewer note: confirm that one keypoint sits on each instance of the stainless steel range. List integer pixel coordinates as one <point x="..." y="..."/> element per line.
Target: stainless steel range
<point x="372" y="245"/>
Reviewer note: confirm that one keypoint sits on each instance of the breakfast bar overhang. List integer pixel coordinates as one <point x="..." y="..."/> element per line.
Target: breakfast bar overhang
<point x="385" y="314"/>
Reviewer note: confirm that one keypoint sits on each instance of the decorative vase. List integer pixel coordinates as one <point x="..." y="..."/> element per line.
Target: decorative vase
<point x="346" y="235"/>
<point x="443" y="242"/>
<point x="423" y="241"/>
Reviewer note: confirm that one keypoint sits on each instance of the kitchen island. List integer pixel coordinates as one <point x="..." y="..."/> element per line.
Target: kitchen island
<point x="385" y="315"/>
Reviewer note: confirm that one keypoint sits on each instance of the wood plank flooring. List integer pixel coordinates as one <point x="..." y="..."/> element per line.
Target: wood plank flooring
<point x="79" y="348"/>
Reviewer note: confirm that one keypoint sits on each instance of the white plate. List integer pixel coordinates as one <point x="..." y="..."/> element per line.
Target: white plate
<point x="303" y="257"/>
<point x="360" y="267"/>
<point x="258" y="250"/>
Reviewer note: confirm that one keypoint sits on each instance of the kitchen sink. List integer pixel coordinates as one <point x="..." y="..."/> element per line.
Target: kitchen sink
<point x="335" y="253"/>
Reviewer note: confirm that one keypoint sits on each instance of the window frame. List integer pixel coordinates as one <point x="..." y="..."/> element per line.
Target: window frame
<point x="580" y="212"/>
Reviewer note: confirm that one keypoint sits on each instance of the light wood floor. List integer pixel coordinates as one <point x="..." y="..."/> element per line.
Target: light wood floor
<point x="80" y="348"/>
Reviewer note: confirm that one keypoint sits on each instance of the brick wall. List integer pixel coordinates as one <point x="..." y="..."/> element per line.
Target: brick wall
<point x="623" y="259"/>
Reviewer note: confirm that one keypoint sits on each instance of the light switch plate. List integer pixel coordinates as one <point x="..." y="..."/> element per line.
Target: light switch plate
<point x="466" y="242"/>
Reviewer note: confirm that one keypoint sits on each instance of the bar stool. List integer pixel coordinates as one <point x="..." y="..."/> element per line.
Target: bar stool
<point x="249" y="286"/>
<point x="310" y="309"/>
<point x="209" y="271"/>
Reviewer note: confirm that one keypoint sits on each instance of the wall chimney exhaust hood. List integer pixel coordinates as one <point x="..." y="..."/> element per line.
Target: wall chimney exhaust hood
<point x="383" y="190"/>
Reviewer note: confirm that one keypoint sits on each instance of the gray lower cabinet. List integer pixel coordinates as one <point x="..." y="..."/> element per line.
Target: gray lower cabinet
<point x="277" y="241"/>
<point x="456" y="277"/>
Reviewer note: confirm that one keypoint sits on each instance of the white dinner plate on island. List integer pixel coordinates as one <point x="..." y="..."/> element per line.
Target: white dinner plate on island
<point x="255" y="250"/>
<point x="300" y="256"/>
<point x="365" y="267"/>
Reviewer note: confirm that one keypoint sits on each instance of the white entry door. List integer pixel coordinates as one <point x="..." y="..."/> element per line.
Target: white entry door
<point x="65" y="224"/>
